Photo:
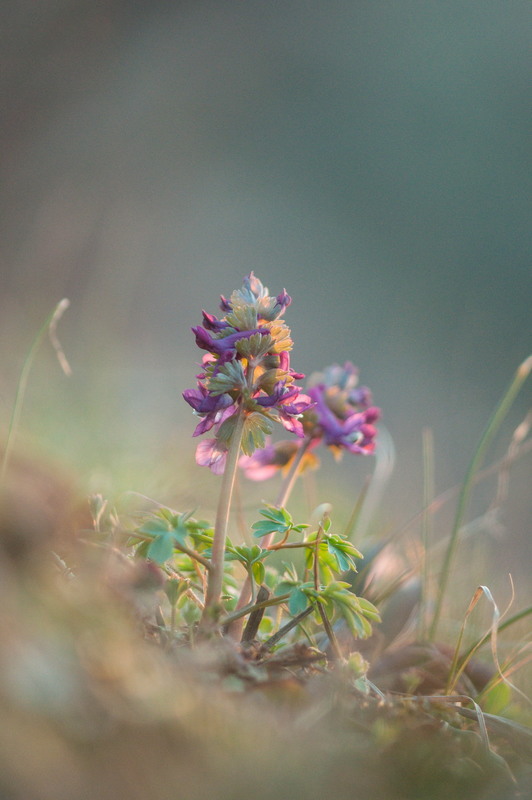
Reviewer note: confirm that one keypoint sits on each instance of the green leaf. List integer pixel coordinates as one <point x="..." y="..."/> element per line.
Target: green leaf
<point x="256" y="428"/>
<point x="154" y="527"/>
<point x="342" y="552"/>
<point x="243" y="316"/>
<point x="497" y="699"/>
<point x="229" y="377"/>
<point x="270" y="378"/>
<point x="297" y="602"/>
<point x="358" y="625"/>
<point x="162" y="547"/>
<point x="142" y="550"/>
<point x="342" y="562"/>
<point x="368" y="609"/>
<point x="180" y="532"/>
<point x="284" y="587"/>
<point x="263" y="528"/>
<point x="226" y="429"/>
<point x="277" y="520"/>
<point x="276" y="514"/>
<point x="166" y="514"/>
<point x="202" y="539"/>
<point x="246" y="555"/>
<point x="258" y="571"/>
<point x="173" y="589"/>
<point x="255" y="346"/>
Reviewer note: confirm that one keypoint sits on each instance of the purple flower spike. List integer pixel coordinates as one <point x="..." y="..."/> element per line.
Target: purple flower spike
<point x="342" y="427"/>
<point x="334" y="412"/>
<point x="246" y="373"/>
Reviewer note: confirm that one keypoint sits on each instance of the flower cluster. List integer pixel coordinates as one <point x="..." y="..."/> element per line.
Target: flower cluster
<point x="341" y="417"/>
<point x="245" y="370"/>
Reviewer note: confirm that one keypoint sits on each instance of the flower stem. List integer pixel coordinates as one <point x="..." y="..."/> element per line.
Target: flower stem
<point x="325" y="620"/>
<point x="235" y="630"/>
<point x="241" y="612"/>
<point x="216" y="573"/>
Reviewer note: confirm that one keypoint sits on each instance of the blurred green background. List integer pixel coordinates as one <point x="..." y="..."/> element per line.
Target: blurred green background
<point x="370" y="156"/>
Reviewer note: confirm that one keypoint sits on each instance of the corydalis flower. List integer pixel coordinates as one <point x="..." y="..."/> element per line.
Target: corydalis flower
<point x="341" y="418"/>
<point x="246" y="370"/>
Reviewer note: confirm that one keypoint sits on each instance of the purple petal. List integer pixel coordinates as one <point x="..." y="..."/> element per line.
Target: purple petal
<point x="212" y="323"/>
<point x="211" y="453"/>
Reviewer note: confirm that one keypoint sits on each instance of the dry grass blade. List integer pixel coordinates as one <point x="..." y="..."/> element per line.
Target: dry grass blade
<point x="456" y="671"/>
<point x="52" y="333"/>
<point x="518" y="735"/>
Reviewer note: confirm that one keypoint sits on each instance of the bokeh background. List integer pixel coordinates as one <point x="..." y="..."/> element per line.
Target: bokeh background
<point x="370" y="156"/>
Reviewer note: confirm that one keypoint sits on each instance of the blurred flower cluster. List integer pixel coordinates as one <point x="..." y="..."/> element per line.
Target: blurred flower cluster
<point x="341" y="417"/>
<point x="245" y="370"/>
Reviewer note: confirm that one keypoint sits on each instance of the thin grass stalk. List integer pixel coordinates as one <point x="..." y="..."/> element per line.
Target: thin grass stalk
<point x="454" y="672"/>
<point x="491" y="429"/>
<point x="352" y="523"/>
<point x="426" y="531"/>
<point x="525" y="612"/>
<point x="444" y="497"/>
<point x="49" y="327"/>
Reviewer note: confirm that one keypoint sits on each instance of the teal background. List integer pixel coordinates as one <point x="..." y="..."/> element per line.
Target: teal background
<point x="371" y="157"/>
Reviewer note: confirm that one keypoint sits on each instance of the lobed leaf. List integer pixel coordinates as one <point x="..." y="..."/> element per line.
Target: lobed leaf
<point x="254" y="346"/>
<point x="162" y="547"/>
<point x="256" y="428"/>
<point x="243" y="316"/>
<point x="229" y="377"/>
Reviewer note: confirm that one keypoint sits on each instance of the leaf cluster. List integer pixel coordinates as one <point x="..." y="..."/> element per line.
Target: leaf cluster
<point x="181" y="545"/>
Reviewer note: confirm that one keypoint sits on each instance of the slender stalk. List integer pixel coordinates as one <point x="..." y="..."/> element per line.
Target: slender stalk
<point x="491" y="429"/>
<point x="444" y="497"/>
<point x="281" y="633"/>
<point x="48" y="326"/>
<point x="255" y="617"/>
<point x="428" y="497"/>
<point x="324" y="618"/>
<point x="216" y="573"/>
<point x="288" y="484"/>
<point x="330" y="632"/>
<point x="241" y="612"/>
<point x="351" y="526"/>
